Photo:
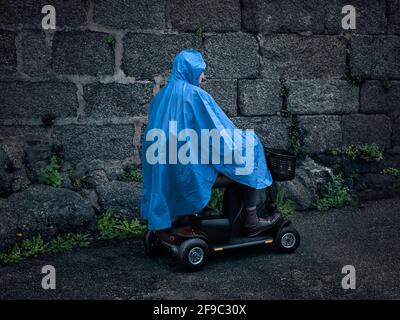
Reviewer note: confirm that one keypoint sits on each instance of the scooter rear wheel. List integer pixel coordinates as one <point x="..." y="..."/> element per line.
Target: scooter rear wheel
<point x="152" y="245"/>
<point x="193" y="254"/>
<point x="287" y="240"/>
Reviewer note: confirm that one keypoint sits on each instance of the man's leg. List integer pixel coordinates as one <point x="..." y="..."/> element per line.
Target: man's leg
<point x="253" y="224"/>
<point x="250" y="197"/>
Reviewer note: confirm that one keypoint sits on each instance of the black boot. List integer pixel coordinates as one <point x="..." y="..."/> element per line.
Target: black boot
<point x="254" y="225"/>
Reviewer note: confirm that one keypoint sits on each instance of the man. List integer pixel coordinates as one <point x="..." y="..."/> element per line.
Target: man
<point x="177" y="184"/>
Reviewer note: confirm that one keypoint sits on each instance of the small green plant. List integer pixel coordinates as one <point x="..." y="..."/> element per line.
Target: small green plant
<point x="110" y="227"/>
<point x="37" y="246"/>
<point x="284" y="90"/>
<point x="110" y="40"/>
<point x="77" y="182"/>
<point x="28" y="248"/>
<point x="50" y="174"/>
<point x="69" y="241"/>
<point x="200" y="32"/>
<point x="352" y="79"/>
<point x="12" y="257"/>
<point x="60" y="244"/>
<point x="284" y="93"/>
<point x="364" y="151"/>
<point x="106" y="225"/>
<point x="394" y="172"/>
<point x="134" y="175"/>
<point x="295" y="138"/>
<point x="129" y="228"/>
<point x="81" y="240"/>
<point x="285" y="205"/>
<point x="333" y="195"/>
<point x="33" y="247"/>
<point x="215" y="202"/>
<point x="387" y="84"/>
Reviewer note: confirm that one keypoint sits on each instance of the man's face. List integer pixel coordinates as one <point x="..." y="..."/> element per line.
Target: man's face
<point x="202" y="78"/>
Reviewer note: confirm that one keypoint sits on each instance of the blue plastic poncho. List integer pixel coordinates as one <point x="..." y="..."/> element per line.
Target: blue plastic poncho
<point x="177" y="180"/>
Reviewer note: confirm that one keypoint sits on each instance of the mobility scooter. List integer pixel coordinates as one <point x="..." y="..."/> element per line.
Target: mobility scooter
<point x="210" y="231"/>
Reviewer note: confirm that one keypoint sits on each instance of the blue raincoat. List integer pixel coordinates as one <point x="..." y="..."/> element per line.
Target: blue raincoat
<point x="172" y="187"/>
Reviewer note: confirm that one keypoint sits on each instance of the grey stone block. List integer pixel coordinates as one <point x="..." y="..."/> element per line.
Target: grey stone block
<point x="107" y="142"/>
<point x="69" y="13"/>
<point x="283" y="16"/>
<point x="394" y="16"/>
<point x="375" y="57"/>
<point x="210" y="15"/>
<point x="36" y="100"/>
<point x="122" y="197"/>
<point x="36" y="53"/>
<point x="119" y="100"/>
<point x="83" y="53"/>
<point x="395" y="121"/>
<point x="149" y="55"/>
<point x="13" y="176"/>
<point x="322" y="97"/>
<point x="92" y="173"/>
<point x="8" y="225"/>
<point x="320" y="132"/>
<point x="375" y="98"/>
<point x="259" y="97"/>
<point x="5" y="166"/>
<point x="47" y="211"/>
<point x="32" y="135"/>
<point x="8" y="56"/>
<point x="273" y="131"/>
<point x="370" y="16"/>
<point x="33" y="152"/>
<point x="376" y="182"/>
<point x="302" y="57"/>
<point x="362" y="129"/>
<point x="354" y="167"/>
<point x="231" y="55"/>
<point x="225" y="94"/>
<point x="136" y="14"/>
<point x="91" y="196"/>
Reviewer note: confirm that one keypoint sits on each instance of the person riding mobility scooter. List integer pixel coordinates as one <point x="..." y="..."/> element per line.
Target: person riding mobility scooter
<point x="177" y="183"/>
<point x="211" y="231"/>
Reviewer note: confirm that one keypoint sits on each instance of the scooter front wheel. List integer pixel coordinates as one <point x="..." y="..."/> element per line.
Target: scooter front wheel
<point x="193" y="254"/>
<point x="287" y="240"/>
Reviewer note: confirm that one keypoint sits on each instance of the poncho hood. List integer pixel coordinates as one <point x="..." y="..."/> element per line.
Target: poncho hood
<point x="188" y="65"/>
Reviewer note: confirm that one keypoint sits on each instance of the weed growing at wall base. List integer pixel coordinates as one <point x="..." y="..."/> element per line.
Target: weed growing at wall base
<point x="37" y="246"/>
<point x="285" y="205"/>
<point x="133" y="175"/>
<point x="363" y="151"/>
<point x="334" y="194"/>
<point x="50" y="174"/>
<point x="394" y="172"/>
<point x="111" y="227"/>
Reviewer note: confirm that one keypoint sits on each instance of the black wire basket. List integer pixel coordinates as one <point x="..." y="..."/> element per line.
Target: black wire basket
<point x="281" y="163"/>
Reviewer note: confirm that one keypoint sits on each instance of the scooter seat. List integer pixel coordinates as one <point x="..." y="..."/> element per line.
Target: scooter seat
<point x="209" y="213"/>
<point x="223" y="182"/>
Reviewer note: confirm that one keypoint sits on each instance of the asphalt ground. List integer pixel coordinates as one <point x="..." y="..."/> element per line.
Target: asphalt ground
<point x="366" y="237"/>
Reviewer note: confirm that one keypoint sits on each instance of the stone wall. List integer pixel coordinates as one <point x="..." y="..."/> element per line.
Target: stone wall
<point x="83" y="90"/>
